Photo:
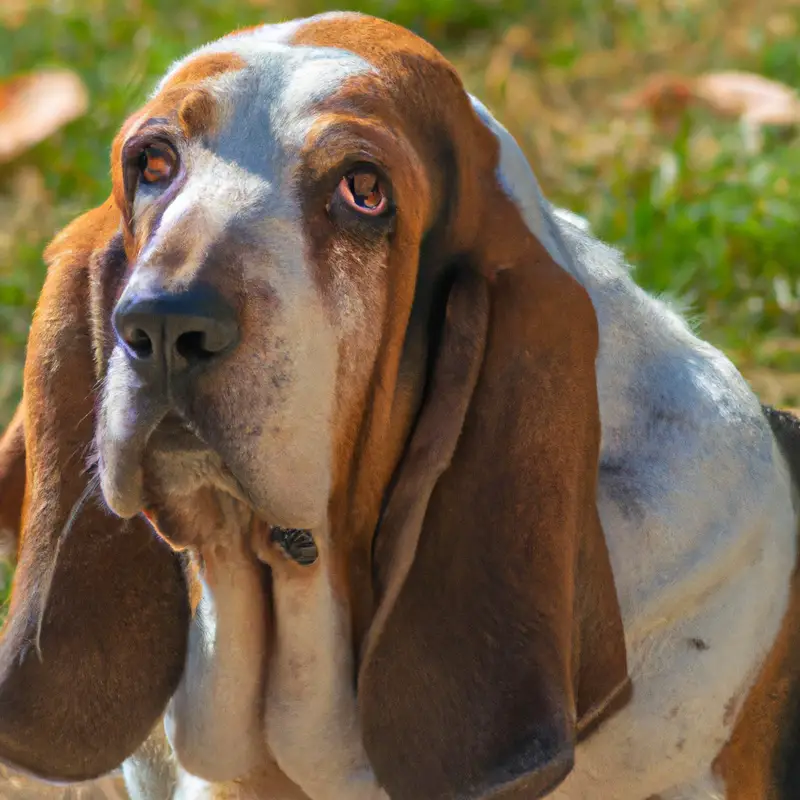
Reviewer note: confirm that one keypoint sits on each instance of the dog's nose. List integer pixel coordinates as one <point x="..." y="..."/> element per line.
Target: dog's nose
<point x="179" y="330"/>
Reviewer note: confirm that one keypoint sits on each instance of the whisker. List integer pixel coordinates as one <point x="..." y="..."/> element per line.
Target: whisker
<point x="85" y="417"/>
<point x="91" y="487"/>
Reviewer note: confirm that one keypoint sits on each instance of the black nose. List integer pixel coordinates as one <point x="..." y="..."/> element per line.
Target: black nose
<point x="177" y="329"/>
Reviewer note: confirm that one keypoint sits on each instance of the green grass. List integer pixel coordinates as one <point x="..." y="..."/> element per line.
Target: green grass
<point x="722" y="229"/>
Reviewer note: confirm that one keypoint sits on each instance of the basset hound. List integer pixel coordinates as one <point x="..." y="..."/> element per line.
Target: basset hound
<point x="471" y="515"/>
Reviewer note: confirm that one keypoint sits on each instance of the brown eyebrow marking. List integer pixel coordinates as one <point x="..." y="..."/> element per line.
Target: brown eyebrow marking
<point x="202" y="67"/>
<point x="148" y="133"/>
<point x="195" y="105"/>
<point x="197" y="113"/>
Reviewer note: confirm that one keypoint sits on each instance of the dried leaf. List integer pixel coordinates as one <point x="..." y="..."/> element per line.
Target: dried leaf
<point x="744" y="95"/>
<point x="737" y="95"/>
<point x="34" y="106"/>
<point x="665" y="96"/>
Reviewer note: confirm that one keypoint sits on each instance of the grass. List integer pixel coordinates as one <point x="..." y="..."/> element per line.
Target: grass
<point x="700" y="218"/>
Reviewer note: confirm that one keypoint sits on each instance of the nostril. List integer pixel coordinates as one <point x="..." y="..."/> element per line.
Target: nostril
<point x="200" y="339"/>
<point x="192" y="346"/>
<point x="139" y="342"/>
<point x="175" y="331"/>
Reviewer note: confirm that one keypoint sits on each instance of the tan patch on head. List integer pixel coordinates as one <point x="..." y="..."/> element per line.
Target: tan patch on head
<point x="440" y="124"/>
<point x="376" y="40"/>
<point x="203" y="67"/>
<point x="197" y="113"/>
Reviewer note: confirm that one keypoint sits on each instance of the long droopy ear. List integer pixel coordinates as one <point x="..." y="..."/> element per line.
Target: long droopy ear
<point x="94" y="643"/>
<point x="478" y="662"/>
<point x="12" y="483"/>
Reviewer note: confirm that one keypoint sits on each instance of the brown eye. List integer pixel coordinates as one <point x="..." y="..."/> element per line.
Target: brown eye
<point x="362" y="190"/>
<point x="157" y="164"/>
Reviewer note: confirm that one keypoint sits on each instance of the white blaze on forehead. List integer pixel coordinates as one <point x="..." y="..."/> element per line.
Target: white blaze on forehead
<point x="256" y="44"/>
<point x="266" y="114"/>
<point x="289" y="82"/>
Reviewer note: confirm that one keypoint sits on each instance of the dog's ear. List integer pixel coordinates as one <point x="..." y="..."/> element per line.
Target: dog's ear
<point x="471" y="678"/>
<point x="12" y="483"/>
<point x="95" y="639"/>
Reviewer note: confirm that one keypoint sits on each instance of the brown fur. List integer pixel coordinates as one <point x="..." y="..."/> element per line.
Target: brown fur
<point x="81" y="704"/>
<point x="749" y="764"/>
<point x="510" y="692"/>
<point x="761" y="758"/>
<point x="201" y="68"/>
<point x="479" y="654"/>
<point x="12" y="483"/>
<point x="197" y="114"/>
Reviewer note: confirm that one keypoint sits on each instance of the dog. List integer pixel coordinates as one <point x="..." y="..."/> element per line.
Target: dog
<point x="354" y="469"/>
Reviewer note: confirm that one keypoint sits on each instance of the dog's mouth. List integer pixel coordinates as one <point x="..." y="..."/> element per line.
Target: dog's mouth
<point x="178" y="461"/>
<point x="216" y="720"/>
<point x="174" y="434"/>
<point x="177" y="473"/>
<point x="160" y="454"/>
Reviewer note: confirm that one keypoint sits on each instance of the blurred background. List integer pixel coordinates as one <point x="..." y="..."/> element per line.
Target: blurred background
<point x="672" y="126"/>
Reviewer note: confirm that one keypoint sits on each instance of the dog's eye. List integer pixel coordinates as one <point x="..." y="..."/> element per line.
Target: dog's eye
<point x="362" y="189"/>
<point x="157" y="164"/>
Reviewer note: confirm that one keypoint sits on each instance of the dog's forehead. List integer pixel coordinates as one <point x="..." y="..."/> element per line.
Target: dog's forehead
<point x="264" y="75"/>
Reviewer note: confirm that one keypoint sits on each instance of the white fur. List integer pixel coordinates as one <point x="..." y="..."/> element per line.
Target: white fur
<point x="696" y="505"/>
<point x="311" y="720"/>
<point x="213" y="721"/>
<point x="244" y="178"/>
<point x="694" y="498"/>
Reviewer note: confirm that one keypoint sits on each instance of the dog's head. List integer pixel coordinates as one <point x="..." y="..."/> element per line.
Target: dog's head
<point x="325" y="293"/>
